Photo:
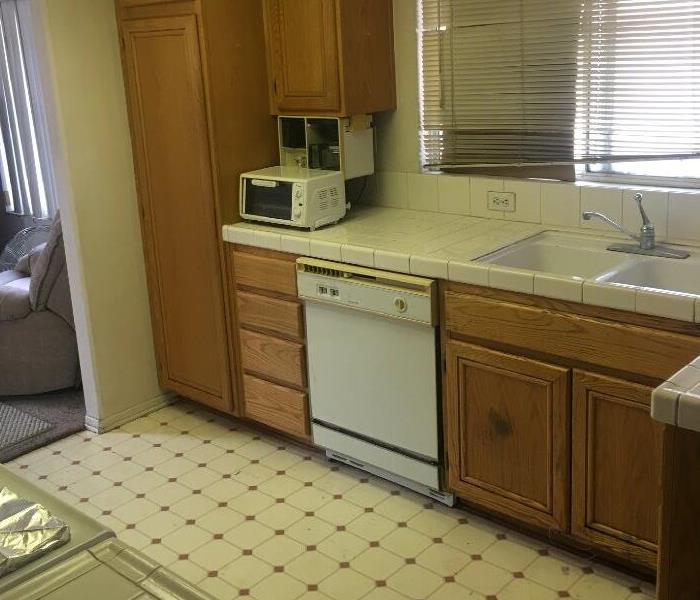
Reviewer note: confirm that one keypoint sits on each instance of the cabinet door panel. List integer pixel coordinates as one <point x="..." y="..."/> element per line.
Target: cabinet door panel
<point x="508" y="422"/>
<point x="164" y="83"/>
<point x="617" y="466"/>
<point x="303" y="54"/>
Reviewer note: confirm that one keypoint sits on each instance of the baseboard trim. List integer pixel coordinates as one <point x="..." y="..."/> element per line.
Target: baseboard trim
<point x="97" y="425"/>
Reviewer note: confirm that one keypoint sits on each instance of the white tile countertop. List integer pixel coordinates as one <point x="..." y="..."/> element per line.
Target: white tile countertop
<point x="677" y="401"/>
<point x="445" y="246"/>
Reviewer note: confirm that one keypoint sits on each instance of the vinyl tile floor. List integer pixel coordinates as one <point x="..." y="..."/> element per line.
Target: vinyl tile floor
<point x="242" y="514"/>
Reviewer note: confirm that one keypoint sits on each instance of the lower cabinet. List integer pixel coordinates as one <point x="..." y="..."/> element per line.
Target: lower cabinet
<point x="508" y="420"/>
<point x="616" y="467"/>
<point x="271" y="339"/>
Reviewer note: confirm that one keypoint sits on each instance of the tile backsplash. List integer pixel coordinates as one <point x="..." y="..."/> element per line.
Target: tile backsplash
<point x="675" y="213"/>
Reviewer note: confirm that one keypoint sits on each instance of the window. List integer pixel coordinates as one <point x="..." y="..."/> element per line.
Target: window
<point x="612" y="85"/>
<point x="24" y="156"/>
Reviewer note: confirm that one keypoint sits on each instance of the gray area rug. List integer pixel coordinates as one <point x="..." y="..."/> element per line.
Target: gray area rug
<point x="63" y="411"/>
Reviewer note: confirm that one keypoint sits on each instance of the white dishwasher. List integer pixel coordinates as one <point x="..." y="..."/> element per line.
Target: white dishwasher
<point x="373" y="357"/>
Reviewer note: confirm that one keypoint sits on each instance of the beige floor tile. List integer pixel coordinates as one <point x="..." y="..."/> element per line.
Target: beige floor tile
<point x="405" y="542"/>
<point x="483" y="577"/>
<point x="454" y="591"/>
<point x="343" y="546"/>
<point x="169" y="493"/>
<point x="135" y="511"/>
<point x="595" y="587"/>
<point x="366" y="495"/>
<point x="281" y="460"/>
<point x="371" y="526"/>
<point x="310" y="530"/>
<point x="278" y="586"/>
<point x="134" y="538"/>
<point x="224" y="490"/>
<point x="199" y="478"/>
<point x="553" y="573"/>
<point x="112" y="497"/>
<point x="159" y="553"/>
<point x="176" y="466"/>
<point x="251" y="503"/>
<point x="256" y="449"/>
<point x="346" y="584"/>
<point x="188" y="571"/>
<point x="161" y="524"/>
<point x="218" y="588"/>
<point x="220" y="520"/>
<point x="308" y="470"/>
<point x="144" y="482"/>
<point x="214" y="555"/>
<point x="121" y="471"/>
<point x="226" y="464"/>
<point x="415" y="582"/>
<point x="186" y="539"/>
<point x="311" y="567"/>
<point x="336" y="482"/>
<point x="434" y="523"/>
<point x="248" y="534"/>
<point x="152" y="457"/>
<point x="443" y="560"/>
<point x="193" y="507"/>
<point x="131" y="447"/>
<point x="244" y="572"/>
<point x="279" y="550"/>
<point x="279" y="516"/>
<point x="399" y="507"/>
<point x="90" y="486"/>
<point x="181" y="443"/>
<point x="377" y="563"/>
<point x="280" y="486"/>
<point x="470" y="539"/>
<point x="69" y="475"/>
<point x="204" y="453"/>
<point x="309" y="498"/>
<point x="253" y="474"/>
<point x="523" y="589"/>
<point x="385" y="593"/>
<point x="509" y="555"/>
<point x="339" y="512"/>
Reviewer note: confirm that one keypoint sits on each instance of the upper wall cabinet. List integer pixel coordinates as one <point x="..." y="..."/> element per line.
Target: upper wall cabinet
<point x="333" y="57"/>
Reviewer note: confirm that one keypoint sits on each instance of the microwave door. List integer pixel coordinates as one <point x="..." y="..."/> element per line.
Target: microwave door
<point x="269" y="199"/>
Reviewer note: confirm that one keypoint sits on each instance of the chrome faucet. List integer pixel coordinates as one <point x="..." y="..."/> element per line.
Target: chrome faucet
<point x="646" y="238"/>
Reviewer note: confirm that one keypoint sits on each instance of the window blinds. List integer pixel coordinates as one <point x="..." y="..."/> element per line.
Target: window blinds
<point x="537" y="82"/>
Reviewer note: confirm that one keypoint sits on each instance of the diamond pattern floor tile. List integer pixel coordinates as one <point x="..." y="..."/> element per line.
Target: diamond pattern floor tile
<point x="244" y="515"/>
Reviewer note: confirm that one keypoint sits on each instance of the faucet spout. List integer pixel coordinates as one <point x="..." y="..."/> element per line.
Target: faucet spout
<point x="590" y="214"/>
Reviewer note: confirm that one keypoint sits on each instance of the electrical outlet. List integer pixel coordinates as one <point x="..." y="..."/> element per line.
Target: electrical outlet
<point x="501" y="201"/>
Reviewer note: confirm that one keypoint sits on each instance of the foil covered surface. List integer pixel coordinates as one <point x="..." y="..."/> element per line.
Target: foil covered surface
<point x="27" y="531"/>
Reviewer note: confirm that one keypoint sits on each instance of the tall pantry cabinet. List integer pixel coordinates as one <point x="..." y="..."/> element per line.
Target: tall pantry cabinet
<point x="196" y="88"/>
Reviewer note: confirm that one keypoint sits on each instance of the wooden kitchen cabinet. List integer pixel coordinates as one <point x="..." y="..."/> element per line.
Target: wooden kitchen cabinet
<point x="193" y="133"/>
<point x="332" y="57"/>
<point x="616" y="458"/>
<point x="272" y="339"/>
<point x="508" y="433"/>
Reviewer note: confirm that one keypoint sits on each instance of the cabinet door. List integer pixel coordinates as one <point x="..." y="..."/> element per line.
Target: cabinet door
<point x="164" y="82"/>
<point x="616" y="467"/>
<point x="303" y="56"/>
<point x="507" y="434"/>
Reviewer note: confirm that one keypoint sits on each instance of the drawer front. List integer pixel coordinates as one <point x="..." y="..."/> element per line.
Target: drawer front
<point x="582" y="339"/>
<point x="281" y="316"/>
<point x="265" y="273"/>
<point x="278" y="359"/>
<point x="276" y="406"/>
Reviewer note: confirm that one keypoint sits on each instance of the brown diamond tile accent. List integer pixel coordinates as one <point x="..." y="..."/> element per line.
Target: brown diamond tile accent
<point x="635" y="589"/>
<point x="337" y="496"/>
<point x="244" y="592"/>
<point x="255" y="461"/>
<point x="491" y="597"/>
<point x="563" y="594"/>
<point x="212" y="573"/>
<point x="63" y="488"/>
<point x="201" y="465"/>
<point x="195" y="492"/>
<point x="518" y="575"/>
<point x="250" y="517"/>
<point x="307" y="458"/>
<point x="226" y="476"/>
<point x="428" y="506"/>
<point x="410" y="561"/>
<point x="395" y="493"/>
<point x="402" y="524"/>
<point x="281" y="448"/>
<point x="310" y="548"/>
<point x="476" y="557"/>
<point x="42" y="477"/>
<point x="335" y="468"/>
<point x="229" y="451"/>
<point x="252" y="488"/>
<point x="157" y="445"/>
<point x="218" y="536"/>
<point x="380" y="583"/>
<point x="587" y="570"/>
<point x="312" y="587"/>
<point x="247" y="552"/>
<point x="127" y="459"/>
<point x="369" y="509"/>
<point x="96" y="472"/>
<point x="179" y="455"/>
<point x="543" y="552"/>
<point x="155" y="541"/>
<point x="500" y="536"/>
<point x="24" y="466"/>
<point x="83" y="500"/>
<point x="117" y="484"/>
<point x="374" y="544"/>
<point x="279" y="569"/>
<point x="135" y="435"/>
<point x="344" y="565"/>
<point x="309" y="513"/>
<point x="183" y="556"/>
<point x="463" y="521"/>
<point x="184" y="433"/>
<point x="164" y="508"/>
<point x="307" y="484"/>
<point x="340" y="528"/>
<point x="279" y="531"/>
<point x="106" y="513"/>
<point x="281" y="472"/>
<point x="131" y="526"/>
<point x="222" y="504"/>
<point x="279" y="500"/>
<point x="140" y="495"/>
<point x="449" y="579"/>
<point x="190" y="522"/>
<point x="75" y="462"/>
<point x="206" y="441"/>
<point x="56" y="452"/>
<point x="437" y="540"/>
<point x="148" y="469"/>
<point x="163" y="423"/>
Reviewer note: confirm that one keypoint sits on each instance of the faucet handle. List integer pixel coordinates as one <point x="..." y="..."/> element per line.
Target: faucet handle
<point x="646" y="222"/>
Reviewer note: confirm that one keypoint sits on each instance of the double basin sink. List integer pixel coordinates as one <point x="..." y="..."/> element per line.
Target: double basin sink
<point x="584" y="257"/>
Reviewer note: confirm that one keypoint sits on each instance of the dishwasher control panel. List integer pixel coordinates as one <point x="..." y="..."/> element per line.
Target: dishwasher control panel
<point x="387" y="294"/>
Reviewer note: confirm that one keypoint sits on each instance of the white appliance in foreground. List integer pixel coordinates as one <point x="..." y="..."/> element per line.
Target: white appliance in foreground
<point x="372" y="356"/>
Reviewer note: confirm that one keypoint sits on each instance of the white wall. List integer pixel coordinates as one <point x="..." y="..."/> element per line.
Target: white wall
<point x="97" y="197"/>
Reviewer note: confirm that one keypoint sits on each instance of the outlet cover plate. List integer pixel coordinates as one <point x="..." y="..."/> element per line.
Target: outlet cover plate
<point x="501" y="201"/>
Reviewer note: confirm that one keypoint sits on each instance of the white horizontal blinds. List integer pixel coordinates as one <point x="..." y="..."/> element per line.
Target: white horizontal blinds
<point x="498" y="81"/>
<point x="638" y="90"/>
<point x="22" y="170"/>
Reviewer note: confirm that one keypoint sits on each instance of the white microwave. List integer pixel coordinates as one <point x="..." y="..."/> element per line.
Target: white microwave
<point x="306" y="198"/>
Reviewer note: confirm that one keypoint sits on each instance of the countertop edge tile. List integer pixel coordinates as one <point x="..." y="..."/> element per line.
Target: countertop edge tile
<point x="427" y="266"/>
<point x="325" y="250"/>
<point x="294" y="244"/>
<point x="469" y="272"/>
<point x="558" y="287"/>
<point x="513" y="280"/>
<point x="688" y="415"/>
<point x="389" y="260"/>
<point x="357" y="255"/>
<point x="671" y="305"/>
<point x="609" y="295"/>
<point x="269" y="240"/>
<point x="664" y="403"/>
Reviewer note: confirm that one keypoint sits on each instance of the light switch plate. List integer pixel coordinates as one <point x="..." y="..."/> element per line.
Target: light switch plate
<point x="501" y="201"/>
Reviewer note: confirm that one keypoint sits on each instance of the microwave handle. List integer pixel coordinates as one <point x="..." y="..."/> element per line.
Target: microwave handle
<point x="263" y="183"/>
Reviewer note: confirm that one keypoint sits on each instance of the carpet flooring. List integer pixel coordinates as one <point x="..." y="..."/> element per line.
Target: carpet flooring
<point x="64" y="410"/>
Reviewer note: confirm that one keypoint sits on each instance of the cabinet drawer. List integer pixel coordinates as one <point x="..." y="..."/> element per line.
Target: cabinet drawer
<point x="265" y="273"/>
<point x="581" y="339"/>
<point x="276" y="406"/>
<point x="281" y="316"/>
<point x="278" y="359"/>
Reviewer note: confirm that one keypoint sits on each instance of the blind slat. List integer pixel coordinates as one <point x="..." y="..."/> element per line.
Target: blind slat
<point x="531" y="81"/>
